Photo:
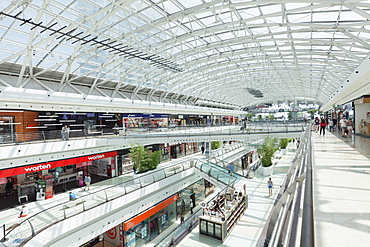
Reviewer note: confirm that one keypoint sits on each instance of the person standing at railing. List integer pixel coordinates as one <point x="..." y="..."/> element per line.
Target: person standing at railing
<point x="116" y="129"/>
<point x="65" y="133"/>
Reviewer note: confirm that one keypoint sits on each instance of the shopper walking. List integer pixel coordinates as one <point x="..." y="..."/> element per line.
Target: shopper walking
<point x="331" y="125"/>
<point x="349" y="127"/>
<point x="87" y="181"/>
<point x="343" y="125"/>
<point x="334" y="124"/>
<point x="316" y="123"/>
<point x="322" y="126"/>
<point x="231" y="167"/>
<point x="8" y="188"/>
<point x="202" y="149"/>
<point x="270" y="184"/>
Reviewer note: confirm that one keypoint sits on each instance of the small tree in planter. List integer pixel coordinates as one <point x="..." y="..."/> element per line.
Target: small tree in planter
<point x="283" y="144"/>
<point x="267" y="151"/>
<point x="215" y="145"/>
<point x="143" y="159"/>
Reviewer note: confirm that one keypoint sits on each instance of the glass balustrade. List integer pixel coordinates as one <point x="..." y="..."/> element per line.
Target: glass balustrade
<point x="50" y="216"/>
<point x="250" y="128"/>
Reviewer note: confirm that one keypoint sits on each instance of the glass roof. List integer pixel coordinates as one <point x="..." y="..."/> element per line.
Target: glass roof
<point x="191" y="50"/>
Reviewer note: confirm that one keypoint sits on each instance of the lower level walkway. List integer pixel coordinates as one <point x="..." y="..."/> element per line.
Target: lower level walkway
<point x="248" y="230"/>
<point x="341" y="190"/>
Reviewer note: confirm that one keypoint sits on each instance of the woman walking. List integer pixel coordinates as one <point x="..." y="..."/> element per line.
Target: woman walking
<point x="269" y="186"/>
<point x="322" y="126"/>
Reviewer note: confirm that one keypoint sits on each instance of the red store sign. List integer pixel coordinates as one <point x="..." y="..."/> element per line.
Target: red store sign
<point x="53" y="164"/>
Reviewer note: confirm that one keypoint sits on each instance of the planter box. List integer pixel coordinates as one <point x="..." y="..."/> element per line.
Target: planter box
<point x="267" y="171"/>
<point x="283" y="151"/>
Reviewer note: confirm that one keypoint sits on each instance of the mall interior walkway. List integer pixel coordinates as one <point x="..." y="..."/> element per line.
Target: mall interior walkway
<point x="341" y="190"/>
<point x="341" y="196"/>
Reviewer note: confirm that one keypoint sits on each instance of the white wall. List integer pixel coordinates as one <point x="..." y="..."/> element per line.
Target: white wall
<point x="360" y="113"/>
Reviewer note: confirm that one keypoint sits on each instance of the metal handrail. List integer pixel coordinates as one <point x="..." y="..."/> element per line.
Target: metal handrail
<point x="308" y="236"/>
<point x="291" y="189"/>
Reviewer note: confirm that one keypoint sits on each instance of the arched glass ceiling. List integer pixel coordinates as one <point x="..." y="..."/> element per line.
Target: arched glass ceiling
<point x="237" y="52"/>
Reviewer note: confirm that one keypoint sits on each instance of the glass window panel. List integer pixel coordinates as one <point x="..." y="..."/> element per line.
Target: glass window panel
<point x="210" y="228"/>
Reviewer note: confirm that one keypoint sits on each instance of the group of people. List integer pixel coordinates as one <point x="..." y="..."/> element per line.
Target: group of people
<point x="345" y="126"/>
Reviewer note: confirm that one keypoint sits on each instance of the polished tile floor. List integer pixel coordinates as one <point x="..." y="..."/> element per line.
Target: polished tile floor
<point x="341" y="190"/>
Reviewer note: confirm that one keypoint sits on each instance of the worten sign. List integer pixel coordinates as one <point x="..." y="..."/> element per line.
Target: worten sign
<point x="53" y="164"/>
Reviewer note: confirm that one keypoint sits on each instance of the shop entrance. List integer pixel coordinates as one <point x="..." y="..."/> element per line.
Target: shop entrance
<point x="154" y="229"/>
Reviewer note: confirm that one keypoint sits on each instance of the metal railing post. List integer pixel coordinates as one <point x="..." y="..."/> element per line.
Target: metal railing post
<point x="3" y="239"/>
<point x="32" y="230"/>
<point x="43" y="135"/>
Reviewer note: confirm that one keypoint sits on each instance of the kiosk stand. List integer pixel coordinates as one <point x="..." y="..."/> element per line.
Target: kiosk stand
<point x="221" y="215"/>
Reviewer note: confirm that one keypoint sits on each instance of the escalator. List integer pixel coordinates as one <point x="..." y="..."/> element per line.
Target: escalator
<point x="217" y="175"/>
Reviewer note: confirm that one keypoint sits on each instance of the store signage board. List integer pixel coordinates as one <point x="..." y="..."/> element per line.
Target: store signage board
<point x="143" y="216"/>
<point x="53" y="164"/>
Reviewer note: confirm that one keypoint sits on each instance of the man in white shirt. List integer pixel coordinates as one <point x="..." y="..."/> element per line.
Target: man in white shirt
<point x="87" y="181"/>
<point x="343" y="124"/>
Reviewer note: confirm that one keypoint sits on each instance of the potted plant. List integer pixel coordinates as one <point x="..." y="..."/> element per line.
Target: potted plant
<point x="267" y="151"/>
<point x="283" y="144"/>
<point x="143" y="159"/>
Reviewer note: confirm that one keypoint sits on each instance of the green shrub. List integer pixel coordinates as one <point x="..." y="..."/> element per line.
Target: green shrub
<point x="267" y="151"/>
<point x="283" y="143"/>
<point x="143" y="159"/>
<point x="215" y="145"/>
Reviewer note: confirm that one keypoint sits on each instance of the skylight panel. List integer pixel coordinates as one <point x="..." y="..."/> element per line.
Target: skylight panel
<point x="152" y="14"/>
<point x="170" y="7"/>
<point x="226" y="36"/>
<point x="293" y="6"/>
<point x="260" y="30"/>
<point x="209" y="21"/>
<point x="139" y="5"/>
<point x="269" y="9"/>
<point x="191" y="3"/>
<point x="325" y="17"/>
<point x="299" y="18"/>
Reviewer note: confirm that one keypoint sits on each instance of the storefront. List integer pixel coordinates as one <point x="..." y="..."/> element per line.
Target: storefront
<point x="176" y="120"/>
<point x="136" y="120"/>
<point x="191" y="148"/>
<point x="57" y="176"/>
<point x="177" y="150"/>
<point x="362" y="116"/>
<point x="248" y="159"/>
<point x="190" y="197"/>
<point x="133" y="120"/>
<point x="150" y="223"/>
<point x="156" y="120"/>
